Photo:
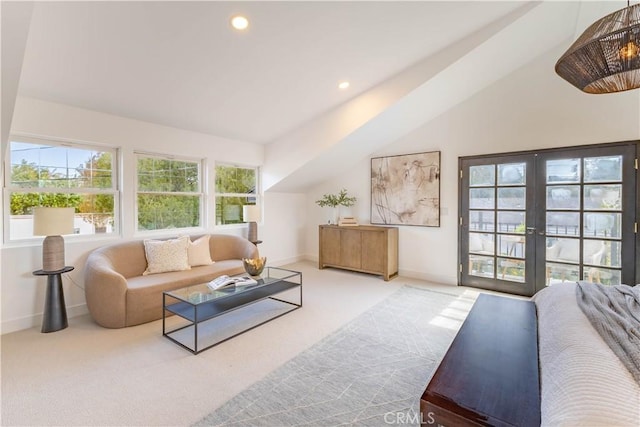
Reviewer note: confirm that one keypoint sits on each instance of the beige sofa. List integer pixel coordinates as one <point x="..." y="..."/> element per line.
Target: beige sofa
<point x="119" y="295"/>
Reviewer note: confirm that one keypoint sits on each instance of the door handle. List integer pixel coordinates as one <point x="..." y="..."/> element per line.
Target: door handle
<point x="531" y="230"/>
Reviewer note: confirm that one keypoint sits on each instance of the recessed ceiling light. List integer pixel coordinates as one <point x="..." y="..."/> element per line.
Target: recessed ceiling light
<point x="343" y="85"/>
<point x="239" y="22"/>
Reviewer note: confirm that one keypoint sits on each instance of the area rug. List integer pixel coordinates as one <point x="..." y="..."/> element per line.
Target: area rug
<point x="370" y="372"/>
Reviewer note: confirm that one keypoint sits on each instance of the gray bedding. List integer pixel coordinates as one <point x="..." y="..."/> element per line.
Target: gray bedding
<point x="614" y="311"/>
<point x="582" y="382"/>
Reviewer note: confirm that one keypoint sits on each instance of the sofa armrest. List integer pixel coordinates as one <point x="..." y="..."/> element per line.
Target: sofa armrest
<point x="106" y="291"/>
<point x="225" y="246"/>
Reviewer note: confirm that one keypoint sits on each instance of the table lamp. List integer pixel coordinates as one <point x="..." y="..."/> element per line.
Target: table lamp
<point x="53" y="222"/>
<point x="251" y="214"/>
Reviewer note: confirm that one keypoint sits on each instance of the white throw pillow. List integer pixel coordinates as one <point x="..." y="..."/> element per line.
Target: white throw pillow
<point x="166" y="255"/>
<point x="199" y="252"/>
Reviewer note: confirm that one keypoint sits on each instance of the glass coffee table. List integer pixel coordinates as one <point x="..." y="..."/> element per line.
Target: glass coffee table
<point x="205" y="317"/>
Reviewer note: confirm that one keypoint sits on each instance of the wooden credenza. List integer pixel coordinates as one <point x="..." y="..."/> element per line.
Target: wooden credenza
<point x="364" y="248"/>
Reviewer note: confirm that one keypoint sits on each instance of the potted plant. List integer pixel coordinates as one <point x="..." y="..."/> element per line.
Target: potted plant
<point x="335" y="201"/>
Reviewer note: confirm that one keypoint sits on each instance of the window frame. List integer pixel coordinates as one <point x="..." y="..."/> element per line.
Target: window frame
<point x="201" y="193"/>
<point x="9" y="188"/>
<point x="257" y="195"/>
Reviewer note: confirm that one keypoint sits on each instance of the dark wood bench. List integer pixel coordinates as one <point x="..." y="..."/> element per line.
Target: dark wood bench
<point x="489" y="375"/>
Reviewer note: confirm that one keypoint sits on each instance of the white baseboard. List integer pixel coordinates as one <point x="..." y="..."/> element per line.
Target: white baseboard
<point x="428" y="277"/>
<point x="285" y="261"/>
<point x="421" y="275"/>
<point x="35" y="321"/>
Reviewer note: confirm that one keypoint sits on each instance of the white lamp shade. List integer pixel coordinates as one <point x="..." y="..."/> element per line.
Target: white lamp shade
<point x="52" y="221"/>
<point x="251" y="213"/>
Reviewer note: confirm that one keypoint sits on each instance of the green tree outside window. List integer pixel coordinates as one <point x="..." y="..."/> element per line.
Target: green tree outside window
<point x="61" y="176"/>
<point x="235" y="186"/>
<point x="169" y="194"/>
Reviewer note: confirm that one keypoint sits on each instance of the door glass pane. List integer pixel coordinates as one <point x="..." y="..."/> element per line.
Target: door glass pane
<point x="599" y="169"/>
<point x="481" y="198"/>
<point x="482" y="220"/>
<point x="481" y="266"/>
<point x="563" y="223"/>
<point x="511" y="222"/>
<point x="511" y="174"/>
<point x="511" y="198"/>
<point x="594" y="252"/>
<point x="563" y="250"/>
<point x="511" y="245"/>
<point x="602" y="252"/>
<point x="480" y="243"/>
<point x="603" y="197"/>
<point x="604" y="276"/>
<point x="563" y="197"/>
<point x="511" y="270"/>
<point x="562" y="273"/>
<point x="484" y="175"/>
<point x="603" y="225"/>
<point x="563" y="171"/>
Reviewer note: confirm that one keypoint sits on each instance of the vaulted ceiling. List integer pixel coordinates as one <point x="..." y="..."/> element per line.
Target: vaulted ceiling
<point x="180" y="64"/>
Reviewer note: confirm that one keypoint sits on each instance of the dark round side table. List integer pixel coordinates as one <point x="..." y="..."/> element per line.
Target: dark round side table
<point x="55" y="312"/>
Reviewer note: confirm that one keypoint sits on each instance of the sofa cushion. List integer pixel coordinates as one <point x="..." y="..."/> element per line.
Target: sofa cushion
<point x="198" y="251"/>
<point x="166" y="255"/>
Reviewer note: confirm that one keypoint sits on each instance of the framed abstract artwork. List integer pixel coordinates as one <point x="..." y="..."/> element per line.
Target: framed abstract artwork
<point x="405" y="189"/>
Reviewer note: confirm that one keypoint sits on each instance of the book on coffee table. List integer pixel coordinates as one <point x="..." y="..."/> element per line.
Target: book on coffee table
<point x="224" y="281"/>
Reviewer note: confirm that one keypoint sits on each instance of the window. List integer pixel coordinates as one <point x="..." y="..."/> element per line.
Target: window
<point x="54" y="174"/>
<point x="235" y="187"/>
<point x="169" y="193"/>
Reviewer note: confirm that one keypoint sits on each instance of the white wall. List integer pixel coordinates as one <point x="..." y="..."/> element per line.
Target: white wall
<point x="22" y="294"/>
<point x="282" y="228"/>
<point x="511" y="115"/>
<point x="16" y="18"/>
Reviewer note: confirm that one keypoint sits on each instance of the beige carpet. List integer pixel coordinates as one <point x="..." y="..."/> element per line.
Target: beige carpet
<point x="88" y="375"/>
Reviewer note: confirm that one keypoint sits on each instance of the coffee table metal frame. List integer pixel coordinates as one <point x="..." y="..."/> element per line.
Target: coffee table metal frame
<point x="199" y="303"/>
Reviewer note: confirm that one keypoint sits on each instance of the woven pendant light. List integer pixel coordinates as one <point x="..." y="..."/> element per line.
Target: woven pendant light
<point x="606" y="57"/>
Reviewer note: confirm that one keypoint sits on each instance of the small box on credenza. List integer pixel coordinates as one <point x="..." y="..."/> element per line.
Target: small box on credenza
<point x="347" y="221"/>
